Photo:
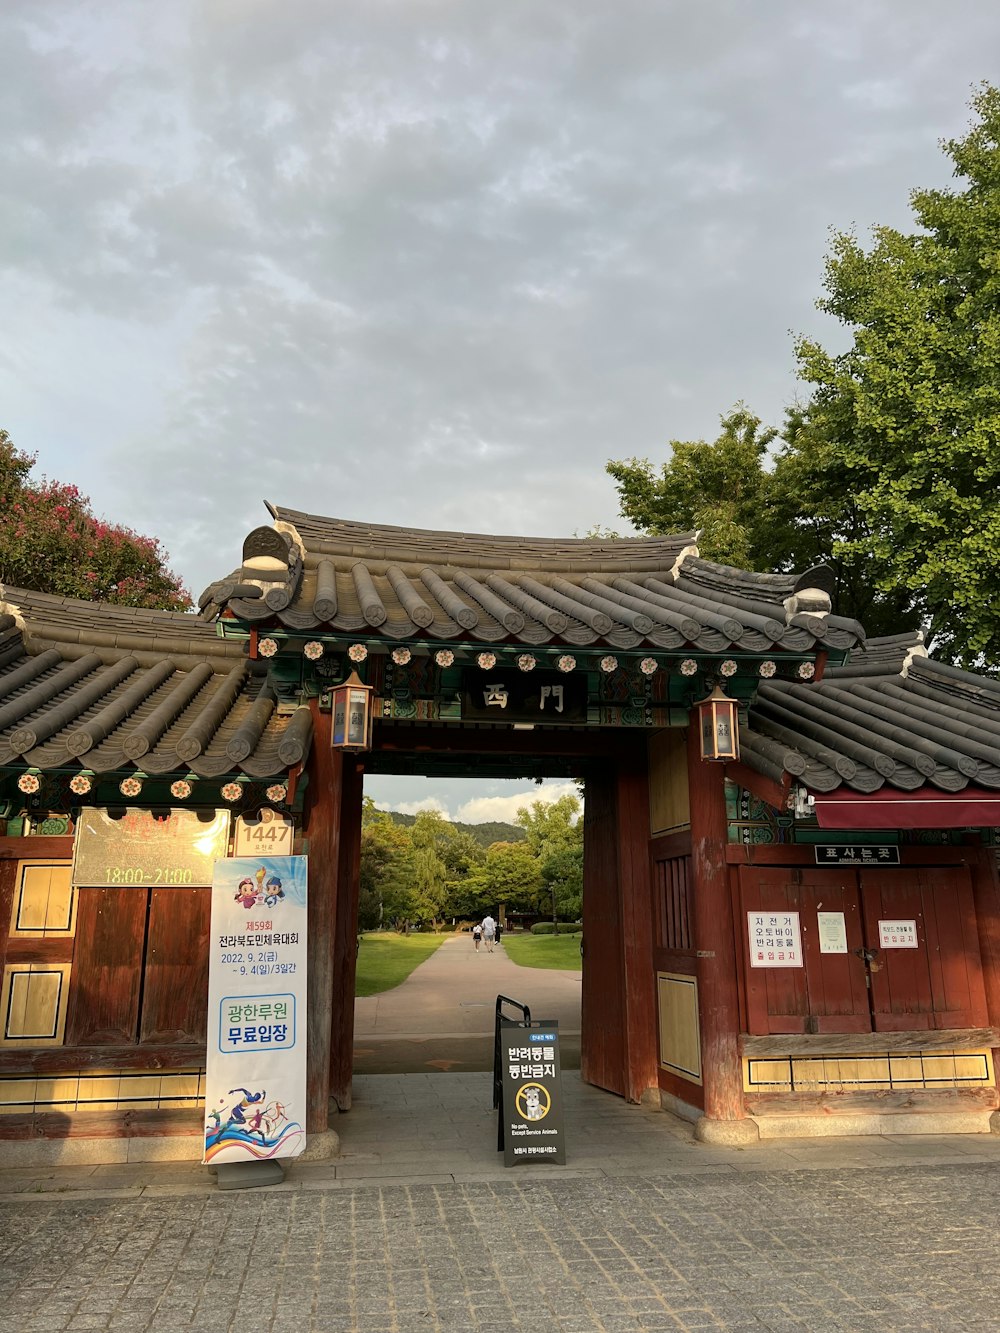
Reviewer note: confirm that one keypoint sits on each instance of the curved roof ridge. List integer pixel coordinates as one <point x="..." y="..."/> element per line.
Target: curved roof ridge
<point x="115" y="688"/>
<point x="311" y="572"/>
<point x="75" y="626"/>
<point x="884" y="656"/>
<point x="928" y="723"/>
<point x="327" y="535"/>
<point x="32" y="604"/>
<point x="767" y="587"/>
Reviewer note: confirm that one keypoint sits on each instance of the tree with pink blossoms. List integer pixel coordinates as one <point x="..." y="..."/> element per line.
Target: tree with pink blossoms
<point x="51" y="541"/>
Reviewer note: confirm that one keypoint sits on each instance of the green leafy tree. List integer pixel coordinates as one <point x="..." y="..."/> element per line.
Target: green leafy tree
<point x="432" y="837"/>
<point x="891" y="470"/>
<point x="50" y="541"/>
<point x="719" y="487"/>
<point x="554" y="835"/>
<point x="562" y="873"/>
<point x="803" y="509"/>
<point x="548" y="823"/>
<point x="386" y="877"/>
<point x="911" y="410"/>
<point x="511" y="875"/>
<point x="463" y="856"/>
<point x="813" y="516"/>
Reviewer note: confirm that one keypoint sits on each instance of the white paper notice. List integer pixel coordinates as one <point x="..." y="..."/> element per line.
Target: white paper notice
<point x="255" y="1075"/>
<point x="832" y="932"/>
<point x="897" y="934"/>
<point x="775" y="939"/>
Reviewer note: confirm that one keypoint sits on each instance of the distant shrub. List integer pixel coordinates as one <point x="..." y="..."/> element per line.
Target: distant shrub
<point x="543" y="928"/>
<point x="569" y="928"/>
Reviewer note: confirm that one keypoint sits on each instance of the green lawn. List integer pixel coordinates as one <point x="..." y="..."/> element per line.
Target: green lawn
<point x="557" y="951"/>
<point x="385" y="959"/>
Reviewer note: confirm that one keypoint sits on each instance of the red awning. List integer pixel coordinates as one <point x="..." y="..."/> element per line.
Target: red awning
<point x="890" y="809"/>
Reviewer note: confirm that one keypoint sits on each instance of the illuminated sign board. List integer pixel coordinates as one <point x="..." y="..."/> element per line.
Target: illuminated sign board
<point x="148" y="850"/>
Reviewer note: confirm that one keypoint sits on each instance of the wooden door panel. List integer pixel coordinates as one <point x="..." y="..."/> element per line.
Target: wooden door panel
<point x="956" y="966"/>
<point x="828" y="993"/>
<point x="37" y="911"/>
<point x="902" y="999"/>
<point x="838" y="989"/>
<point x="175" y="985"/>
<point x="777" y="998"/>
<point x="603" y="1005"/>
<point x="107" y="967"/>
<point x="939" y="984"/>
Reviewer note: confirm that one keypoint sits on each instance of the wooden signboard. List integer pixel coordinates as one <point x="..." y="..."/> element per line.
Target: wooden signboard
<point x="856" y="854"/>
<point x="148" y="850"/>
<point x="500" y="695"/>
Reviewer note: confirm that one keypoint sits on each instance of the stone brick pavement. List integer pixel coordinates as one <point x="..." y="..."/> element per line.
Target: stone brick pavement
<point x="893" y="1249"/>
<point x="418" y="1227"/>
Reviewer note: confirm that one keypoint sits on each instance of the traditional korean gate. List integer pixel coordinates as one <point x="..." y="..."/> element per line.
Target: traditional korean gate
<point x="938" y="984"/>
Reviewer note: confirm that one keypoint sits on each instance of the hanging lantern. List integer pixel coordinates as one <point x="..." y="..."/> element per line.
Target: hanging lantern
<point x="720" y="737"/>
<point x="352" y="715"/>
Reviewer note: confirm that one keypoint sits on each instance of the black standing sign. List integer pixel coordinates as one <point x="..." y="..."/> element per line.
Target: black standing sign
<point x="532" y="1109"/>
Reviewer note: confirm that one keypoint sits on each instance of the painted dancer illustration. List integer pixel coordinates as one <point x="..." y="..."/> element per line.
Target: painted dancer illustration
<point x="238" y="1115"/>
<point x="273" y="1117"/>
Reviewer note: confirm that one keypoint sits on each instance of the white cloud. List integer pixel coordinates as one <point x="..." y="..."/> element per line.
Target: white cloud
<point x="503" y="809"/>
<point x="415" y="807"/>
<point x="468" y="800"/>
<point x="433" y="264"/>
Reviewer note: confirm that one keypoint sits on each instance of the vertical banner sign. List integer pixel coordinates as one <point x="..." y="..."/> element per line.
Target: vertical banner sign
<point x="255" y="1077"/>
<point x="532" y="1095"/>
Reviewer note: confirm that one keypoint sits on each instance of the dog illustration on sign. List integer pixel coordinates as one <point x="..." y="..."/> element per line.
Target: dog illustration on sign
<point x="533" y="1101"/>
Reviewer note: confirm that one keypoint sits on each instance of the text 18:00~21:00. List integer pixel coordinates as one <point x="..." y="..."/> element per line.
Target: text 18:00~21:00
<point x="154" y="875"/>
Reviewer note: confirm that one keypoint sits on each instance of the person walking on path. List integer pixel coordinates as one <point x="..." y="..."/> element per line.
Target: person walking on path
<point x="477" y="935"/>
<point x="489" y="932"/>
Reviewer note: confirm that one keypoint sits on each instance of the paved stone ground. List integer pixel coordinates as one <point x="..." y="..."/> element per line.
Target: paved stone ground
<point x="418" y="1227"/>
<point x="893" y="1249"/>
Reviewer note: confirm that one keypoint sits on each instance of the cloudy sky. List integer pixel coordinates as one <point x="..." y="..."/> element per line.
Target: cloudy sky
<point x="431" y="262"/>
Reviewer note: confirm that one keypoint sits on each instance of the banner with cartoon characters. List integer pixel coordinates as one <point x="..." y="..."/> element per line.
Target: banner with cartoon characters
<point x="255" y="1078"/>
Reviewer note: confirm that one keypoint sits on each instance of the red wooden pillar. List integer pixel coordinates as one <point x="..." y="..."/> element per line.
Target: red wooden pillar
<point x="345" y="950"/>
<point x="619" y="1041"/>
<point x="986" y="896"/>
<point x="714" y="941"/>
<point x="322" y="834"/>
<point x="602" y="1006"/>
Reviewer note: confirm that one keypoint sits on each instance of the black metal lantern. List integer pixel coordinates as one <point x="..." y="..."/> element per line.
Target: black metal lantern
<point x="352" y="715"/>
<point x="719" y="721"/>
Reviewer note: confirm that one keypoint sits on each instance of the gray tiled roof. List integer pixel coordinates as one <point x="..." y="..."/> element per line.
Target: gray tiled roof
<point x="311" y="573"/>
<point x="111" y="688"/>
<point x="892" y="716"/>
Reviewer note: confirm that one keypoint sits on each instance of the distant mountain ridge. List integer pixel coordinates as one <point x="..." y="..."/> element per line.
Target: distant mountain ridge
<point x="485" y="834"/>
